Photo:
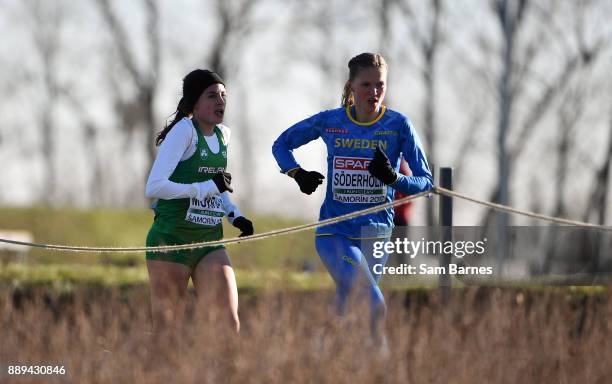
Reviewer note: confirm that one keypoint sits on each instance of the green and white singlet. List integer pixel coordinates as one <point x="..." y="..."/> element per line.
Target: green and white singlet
<point x="191" y="220"/>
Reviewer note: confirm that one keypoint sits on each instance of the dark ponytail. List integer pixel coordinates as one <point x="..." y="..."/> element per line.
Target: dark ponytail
<point x="179" y="114"/>
<point x="194" y="84"/>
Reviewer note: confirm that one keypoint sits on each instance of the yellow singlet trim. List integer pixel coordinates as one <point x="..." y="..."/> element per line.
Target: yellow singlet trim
<point x="382" y="112"/>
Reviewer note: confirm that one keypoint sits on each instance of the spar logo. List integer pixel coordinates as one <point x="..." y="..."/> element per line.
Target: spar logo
<point x="351" y="163"/>
<point x="340" y="131"/>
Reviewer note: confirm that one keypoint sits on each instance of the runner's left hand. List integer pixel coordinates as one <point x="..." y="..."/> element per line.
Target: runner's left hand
<point x="380" y="167"/>
<point x="244" y="225"/>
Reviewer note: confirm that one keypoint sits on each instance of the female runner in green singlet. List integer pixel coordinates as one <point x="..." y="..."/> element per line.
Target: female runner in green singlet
<point x="191" y="188"/>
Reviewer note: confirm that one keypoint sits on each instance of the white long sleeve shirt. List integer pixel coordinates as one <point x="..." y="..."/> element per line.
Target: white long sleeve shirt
<point x="179" y="145"/>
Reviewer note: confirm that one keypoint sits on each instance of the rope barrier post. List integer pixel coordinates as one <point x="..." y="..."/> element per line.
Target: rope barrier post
<point x="433" y="225"/>
<point x="446" y="231"/>
<point x="502" y="241"/>
<point x="431" y="209"/>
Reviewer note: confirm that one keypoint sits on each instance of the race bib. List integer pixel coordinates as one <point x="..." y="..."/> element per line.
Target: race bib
<point x="208" y="212"/>
<point x="352" y="183"/>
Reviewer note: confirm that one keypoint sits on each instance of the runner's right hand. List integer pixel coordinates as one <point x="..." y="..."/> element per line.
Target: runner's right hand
<point x="223" y="180"/>
<point x="308" y="180"/>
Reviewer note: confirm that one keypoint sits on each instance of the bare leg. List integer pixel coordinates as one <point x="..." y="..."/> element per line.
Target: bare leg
<point x="215" y="284"/>
<point x="168" y="291"/>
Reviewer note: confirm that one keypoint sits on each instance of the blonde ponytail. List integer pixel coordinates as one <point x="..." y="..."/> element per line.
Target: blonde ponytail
<point x="347" y="95"/>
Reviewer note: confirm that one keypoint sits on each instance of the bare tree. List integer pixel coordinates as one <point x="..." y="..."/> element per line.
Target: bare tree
<point x="523" y="93"/>
<point x="11" y="139"/>
<point x="98" y="177"/>
<point x="598" y="198"/>
<point x="238" y="25"/>
<point x="569" y="112"/>
<point x="599" y="201"/>
<point x="428" y="39"/>
<point x="468" y="140"/>
<point x="313" y="39"/>
<point x="136" y="111"/>
<point x="46" y="24"/>
<point x="517" y="70"/>
<point x="385" y="9"/>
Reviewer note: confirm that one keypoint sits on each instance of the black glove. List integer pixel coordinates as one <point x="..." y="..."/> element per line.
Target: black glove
<point x="223" y="180"/>
<point x="244" y="225"/>
<point x="308" y="181"/>
<point x="380" y="167"/>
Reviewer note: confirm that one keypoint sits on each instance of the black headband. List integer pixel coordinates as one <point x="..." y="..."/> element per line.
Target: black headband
<point x="194" y="84"/>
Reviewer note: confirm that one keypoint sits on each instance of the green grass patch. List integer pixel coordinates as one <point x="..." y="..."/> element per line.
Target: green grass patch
<point x="270" y="263"/>
<point x="64" y="277"/>
<point x="60" y="276"/>
<point x="129" y="228"/>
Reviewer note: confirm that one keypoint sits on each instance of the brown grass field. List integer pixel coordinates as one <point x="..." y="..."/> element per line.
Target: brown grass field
<point x="485" y="334"/>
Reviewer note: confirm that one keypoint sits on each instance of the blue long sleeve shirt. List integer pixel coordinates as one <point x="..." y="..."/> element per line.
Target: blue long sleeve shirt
<point x="350" y="148"/>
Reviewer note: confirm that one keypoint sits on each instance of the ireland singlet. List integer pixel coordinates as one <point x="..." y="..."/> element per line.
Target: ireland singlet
<point x="190" y="220"/>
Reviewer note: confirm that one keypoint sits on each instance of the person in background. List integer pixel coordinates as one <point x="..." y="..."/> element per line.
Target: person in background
<point x="402" y="215"/>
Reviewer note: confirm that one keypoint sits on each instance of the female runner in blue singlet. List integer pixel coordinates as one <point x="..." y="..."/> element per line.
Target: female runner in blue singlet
<point x="365" y="142"/>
